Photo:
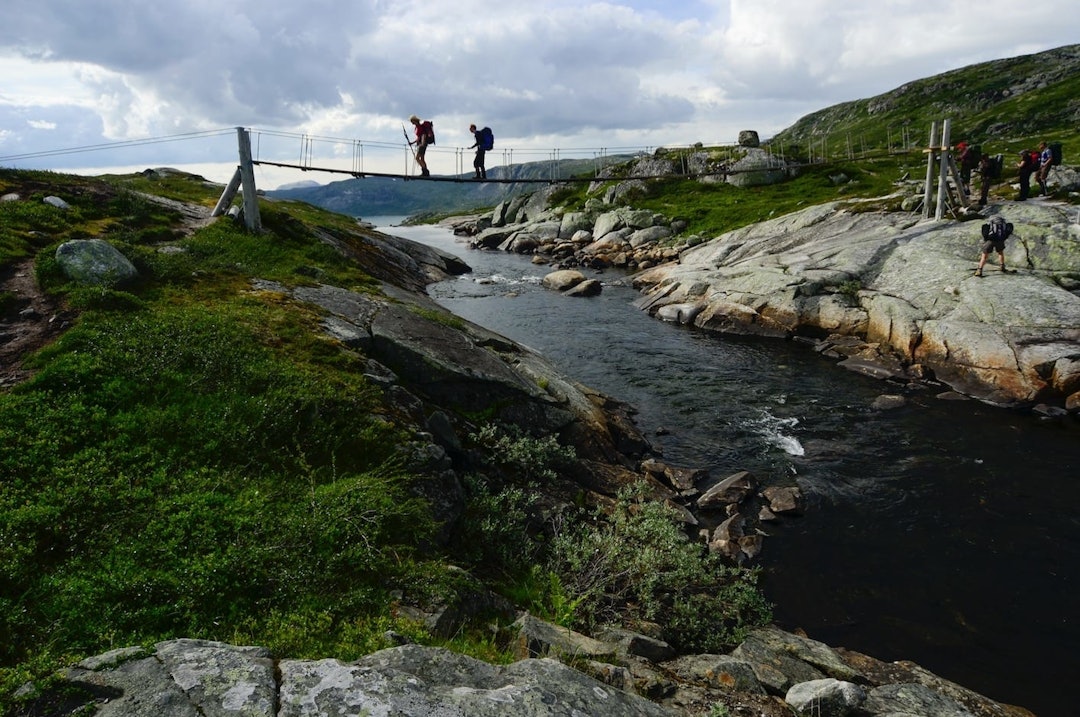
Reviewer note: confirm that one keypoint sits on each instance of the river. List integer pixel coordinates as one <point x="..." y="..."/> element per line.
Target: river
<point x="944" y="532"/>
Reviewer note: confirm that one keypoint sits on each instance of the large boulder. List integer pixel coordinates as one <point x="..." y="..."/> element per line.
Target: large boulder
<point x="757" y="168"/>
<point x="192" y="678"/>
<point x="95" y="262"/>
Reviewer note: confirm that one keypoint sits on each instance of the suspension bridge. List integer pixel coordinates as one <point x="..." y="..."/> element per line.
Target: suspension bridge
<point x="365" y="158"/>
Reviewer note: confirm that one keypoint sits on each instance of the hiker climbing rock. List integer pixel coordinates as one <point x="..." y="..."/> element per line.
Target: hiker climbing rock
<point x="994" y="234"/>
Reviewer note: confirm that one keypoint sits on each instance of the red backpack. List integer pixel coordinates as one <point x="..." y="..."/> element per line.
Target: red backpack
<point x="428" y="130"/>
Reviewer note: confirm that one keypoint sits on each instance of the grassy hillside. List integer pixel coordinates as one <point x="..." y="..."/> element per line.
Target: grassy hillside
<point x="194" y="458"/>
<point x="1005" y="105"/>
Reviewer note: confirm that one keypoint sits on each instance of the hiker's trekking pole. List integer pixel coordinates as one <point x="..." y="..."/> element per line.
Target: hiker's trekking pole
<point x="409" y="143"/>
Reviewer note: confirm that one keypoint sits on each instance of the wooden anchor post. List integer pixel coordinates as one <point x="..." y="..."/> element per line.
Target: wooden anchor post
<point x="243" y="177"/>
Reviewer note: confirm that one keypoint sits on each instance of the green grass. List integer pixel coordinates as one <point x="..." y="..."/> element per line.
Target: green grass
<point x="981" y="101"/>
<point x="193" y="458"/>
<point x="713" y="208"/>
<point x="188" y="468"/>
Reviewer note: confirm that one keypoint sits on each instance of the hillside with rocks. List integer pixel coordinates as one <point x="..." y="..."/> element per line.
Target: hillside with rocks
<point x="268" y="474"/>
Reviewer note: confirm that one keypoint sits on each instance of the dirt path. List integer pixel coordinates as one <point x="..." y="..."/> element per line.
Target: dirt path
<point x="31" y="320"/>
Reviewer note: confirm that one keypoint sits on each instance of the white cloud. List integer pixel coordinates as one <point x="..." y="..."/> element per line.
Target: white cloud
<point x="558" y="74"/>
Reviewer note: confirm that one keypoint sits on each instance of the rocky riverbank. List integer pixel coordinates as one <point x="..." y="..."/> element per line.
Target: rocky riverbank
<point x="886" y="292"/>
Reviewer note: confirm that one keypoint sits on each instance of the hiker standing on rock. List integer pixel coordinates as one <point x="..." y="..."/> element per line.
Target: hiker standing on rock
<point x="1046" y="161"/>
<point x="994" y="234"/>
<point x="987" y="170"/>
<point x="425" y="135"/>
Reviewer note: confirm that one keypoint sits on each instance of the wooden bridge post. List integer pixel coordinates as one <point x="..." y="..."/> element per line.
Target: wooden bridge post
<point x="227" y="196"/>
<point x="943" y="177"/>
<point x="244" y="174"/>
<point x="928" y="190"/>
<point x="247" y="180"/>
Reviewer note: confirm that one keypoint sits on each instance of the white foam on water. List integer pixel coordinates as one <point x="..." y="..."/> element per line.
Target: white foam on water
<point x="500" y="280"/>
<point x="773" y="430"/>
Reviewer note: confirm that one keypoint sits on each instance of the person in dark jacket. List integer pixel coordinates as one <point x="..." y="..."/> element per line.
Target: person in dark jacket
<point x="994" y="234"/>
<point x="1026" y="166"/>
<point x="481" y="147"/>
<point x="986" y="177"/>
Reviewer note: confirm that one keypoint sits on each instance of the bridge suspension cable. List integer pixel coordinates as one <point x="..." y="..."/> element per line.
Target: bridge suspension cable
<point x="117" y="145"/>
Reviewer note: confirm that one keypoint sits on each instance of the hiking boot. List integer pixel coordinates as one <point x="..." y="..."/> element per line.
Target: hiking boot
<point x="425" y="173"/>
<point x="978" y="272"/>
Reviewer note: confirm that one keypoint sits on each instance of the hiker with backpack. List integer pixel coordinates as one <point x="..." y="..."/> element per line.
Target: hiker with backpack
<point x="485" y="140"/>
<point x="1046" y="161"/>
<point x="425" y="135"/>
<point x="988" y="172"/>
<point x="994" y="234"/>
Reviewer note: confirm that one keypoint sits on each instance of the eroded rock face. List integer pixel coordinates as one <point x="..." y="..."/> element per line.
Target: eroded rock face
<point x="465" y="368"/>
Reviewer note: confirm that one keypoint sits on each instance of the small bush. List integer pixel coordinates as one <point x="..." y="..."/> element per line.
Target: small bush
<point x="638" y="563"/>
<point x="524" y="458"/>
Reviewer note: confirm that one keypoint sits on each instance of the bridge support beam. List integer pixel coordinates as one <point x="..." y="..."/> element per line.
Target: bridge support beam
<point x="247" y="181"/>
<point x="244" y="178"/>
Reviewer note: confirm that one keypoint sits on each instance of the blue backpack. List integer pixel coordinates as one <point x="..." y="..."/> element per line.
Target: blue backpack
<point x="485" y="139"/>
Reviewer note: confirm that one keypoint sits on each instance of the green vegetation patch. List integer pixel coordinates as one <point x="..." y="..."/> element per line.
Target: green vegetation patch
<point x="168" y="473"/>
<point x="712" y="208"/>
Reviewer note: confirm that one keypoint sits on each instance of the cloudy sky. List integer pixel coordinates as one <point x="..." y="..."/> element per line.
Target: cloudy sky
<point x="102" y="85"/>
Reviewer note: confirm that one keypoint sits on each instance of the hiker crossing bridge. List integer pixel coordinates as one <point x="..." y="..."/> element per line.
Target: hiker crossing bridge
<point x="260" y="148"/>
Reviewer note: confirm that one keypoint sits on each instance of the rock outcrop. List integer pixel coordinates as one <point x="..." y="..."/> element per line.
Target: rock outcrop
<point x="772" y="673"/>
<point x="903" y="286"/>
<point x="95" y="262"/>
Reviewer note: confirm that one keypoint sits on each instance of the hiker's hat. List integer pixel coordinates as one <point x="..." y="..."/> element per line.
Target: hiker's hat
<point x="414" y="118"/>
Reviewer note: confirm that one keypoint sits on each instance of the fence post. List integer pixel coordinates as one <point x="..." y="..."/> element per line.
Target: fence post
<point x="929" y="171"/>
<point x="247" y="180"/>
<point x="943" y="175"/>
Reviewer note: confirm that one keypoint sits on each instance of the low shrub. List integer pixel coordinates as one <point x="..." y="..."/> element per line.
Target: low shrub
<point x="636" y="562"/>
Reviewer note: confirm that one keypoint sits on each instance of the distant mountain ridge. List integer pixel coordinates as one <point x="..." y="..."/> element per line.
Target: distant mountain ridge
<point x="383" y="196"/>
